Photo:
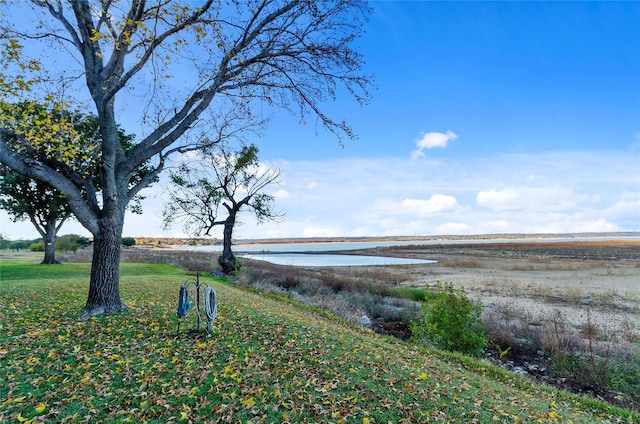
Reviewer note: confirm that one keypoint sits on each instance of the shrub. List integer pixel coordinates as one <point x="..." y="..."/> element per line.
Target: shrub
<point x="37" y="247"/>
<point x="451" y="321"/>
<point x="128" y="241"/>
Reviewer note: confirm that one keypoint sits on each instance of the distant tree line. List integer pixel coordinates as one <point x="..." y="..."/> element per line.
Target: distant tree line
<point x="66" y="243"/>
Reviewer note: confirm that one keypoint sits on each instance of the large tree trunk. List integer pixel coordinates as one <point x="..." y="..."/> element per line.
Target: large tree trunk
<point x="49" y="238"/>
<point x="228" y="261"/>
<point x="104" y="286"/>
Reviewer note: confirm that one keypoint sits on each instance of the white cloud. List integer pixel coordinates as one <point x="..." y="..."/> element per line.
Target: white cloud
<point x="436" y="139"/>
<point x="320" y="232"/>
<point x="624" y="208"/>
<point x="190" y="156"/>
<point x="281" y="194"/>
<point x="498" y="200"/>
<point x="436" y="204"/>
<point x="494" y="227"/>
<point x="600" y="225"/>
<point x="431" y="140"/>
<point x="531" y="198"/>
<point x="453" y="228"/>
<point x="630" y="195"/>
<point x="396" y="196"/>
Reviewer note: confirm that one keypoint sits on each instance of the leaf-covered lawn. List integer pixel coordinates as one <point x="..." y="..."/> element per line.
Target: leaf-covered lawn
<point x="266" y="361"/>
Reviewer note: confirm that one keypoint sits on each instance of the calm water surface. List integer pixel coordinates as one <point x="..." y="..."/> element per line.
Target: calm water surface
<point x="319" y="259"/>
<point x="310" y="254"/>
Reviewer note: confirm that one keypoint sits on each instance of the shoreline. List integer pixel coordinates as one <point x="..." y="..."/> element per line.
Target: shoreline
<point x="196" y="241"/>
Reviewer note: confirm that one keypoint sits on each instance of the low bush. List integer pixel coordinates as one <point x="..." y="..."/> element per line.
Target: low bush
<point x="37" y="247"/>
<point x="128" y="241"/>
<point x="451" y="321"/>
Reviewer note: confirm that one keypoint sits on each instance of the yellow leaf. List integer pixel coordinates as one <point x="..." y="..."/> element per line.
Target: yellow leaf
<point x="248" y="402"/>
<point x="365" y="420"/>
<point x="183" y="416"/>
<point x="41" y="407"/>
<point x="96" y="36"/>
<point x="22" y="419"/>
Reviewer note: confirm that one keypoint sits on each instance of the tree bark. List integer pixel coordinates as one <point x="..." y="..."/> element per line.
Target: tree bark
<point x="49" y="238"/>
<point x="227" y="260"/>
<point x="104" y="285"/>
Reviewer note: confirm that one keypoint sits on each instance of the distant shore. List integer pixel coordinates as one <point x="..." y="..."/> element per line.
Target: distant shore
<point x="196" y="241"/>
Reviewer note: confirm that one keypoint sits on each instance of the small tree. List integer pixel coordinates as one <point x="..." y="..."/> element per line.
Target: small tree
<point x="46" y="208"/>
<point x="237" y="182"/>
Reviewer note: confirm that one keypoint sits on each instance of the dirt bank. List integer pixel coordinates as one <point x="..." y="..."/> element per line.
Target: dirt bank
<point x="571" y="277"/>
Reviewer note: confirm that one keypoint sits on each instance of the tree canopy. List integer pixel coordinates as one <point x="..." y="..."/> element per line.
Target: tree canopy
<point x="225" y="179"/>
<point x="185" y="69"/>
<point x="67" y="141"/>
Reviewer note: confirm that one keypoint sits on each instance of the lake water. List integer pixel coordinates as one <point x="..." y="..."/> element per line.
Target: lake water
<point x="310" y="254"/>
<point x="320" y="259"/>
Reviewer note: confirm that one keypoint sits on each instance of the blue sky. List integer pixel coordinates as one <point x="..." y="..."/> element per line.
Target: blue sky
<point x="488" y="117"/>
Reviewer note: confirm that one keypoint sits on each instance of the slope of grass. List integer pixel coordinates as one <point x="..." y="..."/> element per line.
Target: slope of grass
<point x="266" y="361"/>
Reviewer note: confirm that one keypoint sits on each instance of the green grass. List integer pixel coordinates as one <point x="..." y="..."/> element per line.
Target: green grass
<point x="412" y="293"/>
<point x="10" y="256"/>
<point x="266" y="361"/>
